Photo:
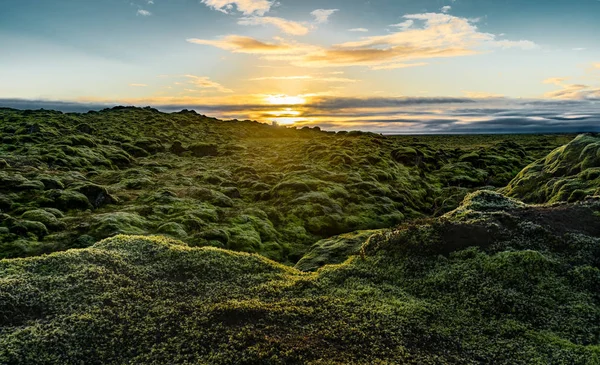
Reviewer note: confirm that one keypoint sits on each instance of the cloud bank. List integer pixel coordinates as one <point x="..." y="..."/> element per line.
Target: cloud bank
<point x="388" y="115"/>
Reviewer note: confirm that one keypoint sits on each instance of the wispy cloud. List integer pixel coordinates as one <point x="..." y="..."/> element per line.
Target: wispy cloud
<point x="204" y="82"/>
<point x="404" y="25"/>
<point x="393" y="66"/>
<point x="364" y="30"/>
<point x="286" y="26"/>
<point x="143" y="12"/>
<point x="322" y="15"/>
<point x="571" y="91"/>
<point x="306" y="77"/>
<point x="243" y="44"/>
<point x="482" y="95"/>
<point x="247" y="7"/>
<point x="555" y="80"/>
<point x="138" y="85"/>
<point x="440" y="35"/>
<point x="446" y="9"/>
<point x="575" y="92"/>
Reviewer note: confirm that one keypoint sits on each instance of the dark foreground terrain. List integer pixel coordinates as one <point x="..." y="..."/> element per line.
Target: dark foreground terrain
<point x="417" y="250"/>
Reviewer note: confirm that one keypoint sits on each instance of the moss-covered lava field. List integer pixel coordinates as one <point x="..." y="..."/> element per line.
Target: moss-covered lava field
<point x="131" y="236"/>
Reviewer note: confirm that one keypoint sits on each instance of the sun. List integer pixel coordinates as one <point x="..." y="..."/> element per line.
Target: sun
<point x="285" y="100"/>
<point x="287" y="120"/>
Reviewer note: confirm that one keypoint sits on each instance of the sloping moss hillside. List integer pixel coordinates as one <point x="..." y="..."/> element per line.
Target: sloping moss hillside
<point x="71" y="180"/>
<point x="569" y="173"/>
<point x="495" y="281"/>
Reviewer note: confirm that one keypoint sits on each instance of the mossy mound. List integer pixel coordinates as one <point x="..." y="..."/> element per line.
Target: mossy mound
<point x="46" y="217"/>
<point x="334" y="250"/>
<point x="510" y="286"/>
<point x="569" y="173"/>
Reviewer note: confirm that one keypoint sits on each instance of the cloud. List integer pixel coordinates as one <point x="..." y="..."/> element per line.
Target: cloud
<point x="205" y="83"/>
<point x="572" y="91"/>
<point x="438" y="35"/>
<point x="143" y="12"/>
<point x="322" y="15"/>
<point x="404" y="25"/>
<point x="446" y="9"/>
<point x="393" y="66"/>
<point x="481" y="95"/>
<point x="523" y="44"/>
<point x="555" y="80"/>
<point x="441" y="31"/>
<point x="243" y="44"/>
<point x="575" y="92"/>
<point x="286" y="26"/>
<point x="306" y="77"/>
<point x="248" y="7"/>
<point x="138" y="85"/>
<point x="364" y="30"/>
<point x="597" y="65"/>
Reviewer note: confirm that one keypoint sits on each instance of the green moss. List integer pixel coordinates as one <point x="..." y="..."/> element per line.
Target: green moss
<point x="334" y="250"/>
<point x="172" y="229"/>
<point x="210" y="196"/>
<point x="65" y="200"/>
<point x="96" y="195"/>
<point x="110" y="224"/>
<point x="45" y="217"/>
<point x="569" y="173"/>
<point x="308" y="184"/>
<point x="37" y="228"/>
<point x="203" y="149"/>
<point x="417" y="295"/>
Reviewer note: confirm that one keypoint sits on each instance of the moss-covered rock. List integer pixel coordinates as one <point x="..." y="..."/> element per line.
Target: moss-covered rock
<point x="203" y="149"/>
<point x="96" y="195"/>
<point x="334" y="250"/>
<point x="65" y="200"/>
<point x="172" y="229"/>
<point x="45" y="217"/>
<point x="111" y="224"/>
<point x="569" y="173"/>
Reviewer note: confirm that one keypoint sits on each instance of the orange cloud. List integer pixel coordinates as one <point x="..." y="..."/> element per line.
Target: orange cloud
<point x="286" y="26"/>
<point x="205" y="83"/>
<point x="242" y="44"/>
<point x="575" y="92"/>
<point x="441" y="35"/>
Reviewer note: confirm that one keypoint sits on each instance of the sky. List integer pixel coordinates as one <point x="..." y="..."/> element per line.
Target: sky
<point x="388" y="66"/>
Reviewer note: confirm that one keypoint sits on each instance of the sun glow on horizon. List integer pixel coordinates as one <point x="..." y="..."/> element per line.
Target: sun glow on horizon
<point x="283" y="113"/>
<point x="285" y="100"/>
<point x="288" y="121"/>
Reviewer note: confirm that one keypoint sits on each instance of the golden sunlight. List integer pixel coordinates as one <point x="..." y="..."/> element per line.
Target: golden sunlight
<point x="288" y="120"/>
<point x="285" y="100"/>
<point x="283" y="113"/>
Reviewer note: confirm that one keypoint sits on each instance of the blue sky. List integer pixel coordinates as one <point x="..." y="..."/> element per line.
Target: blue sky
<point x="281" y="61"/>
